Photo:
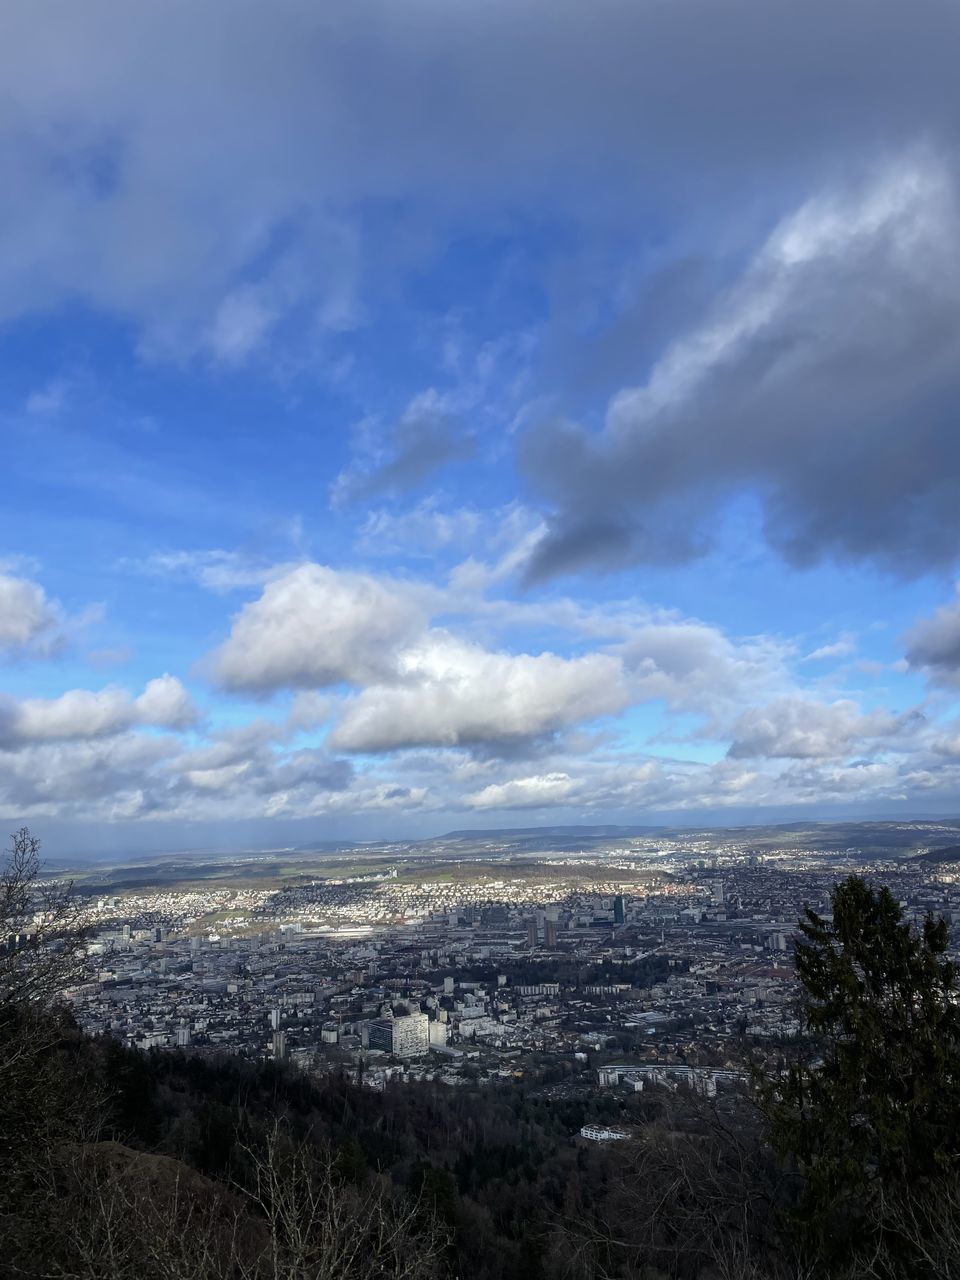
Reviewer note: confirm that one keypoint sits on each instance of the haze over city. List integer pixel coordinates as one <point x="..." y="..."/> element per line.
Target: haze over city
<point x="428" y="416"/>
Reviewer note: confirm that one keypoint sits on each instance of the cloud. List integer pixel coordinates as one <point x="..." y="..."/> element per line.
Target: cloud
<point x="695" y="667"/>
<point x="538" y="791"/>
<point x="421" y="530"/>
<point x="81" y="713"/>
<point x="214" y="569"/>
<point x="166" y="703"/>
<point x="842" y="647"/>
<point x="822" y="382"/>
<point x="801" y="729"/>
<point x="933" y="644"/>
<point x="316" y="627"/>
<point x="427" y="438"/>
<point x="457" y="694"/>
<point x="242" y="322"/>
<point x="30" y="623"/>
<point x="307" y="132"/>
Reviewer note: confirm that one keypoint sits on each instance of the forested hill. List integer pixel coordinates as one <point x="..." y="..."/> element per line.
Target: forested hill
<point x="157" y="1151"/>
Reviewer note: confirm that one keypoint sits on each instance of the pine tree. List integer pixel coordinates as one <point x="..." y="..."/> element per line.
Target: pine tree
<point x="870" y="1113"/>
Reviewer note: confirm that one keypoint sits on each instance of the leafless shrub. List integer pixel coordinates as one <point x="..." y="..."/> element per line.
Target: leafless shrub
<point x="321" y="1228"/>
<point x="41" y="934"/>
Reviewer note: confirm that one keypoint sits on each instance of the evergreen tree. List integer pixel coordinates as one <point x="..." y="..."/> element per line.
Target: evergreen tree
<point x="870" y="1113"/>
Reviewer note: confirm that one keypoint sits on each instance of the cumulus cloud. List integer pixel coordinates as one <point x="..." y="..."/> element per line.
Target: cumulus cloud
<point x="458" y="694"/>
<point x="30" y="623"/>
<point x="823" y="382"/>
<point x="81" y="713"/>
<point x="166" y="703"/>
<point x="538" y="791"/>
<point x="315" y="627"/>
<point x="695" y="667"/>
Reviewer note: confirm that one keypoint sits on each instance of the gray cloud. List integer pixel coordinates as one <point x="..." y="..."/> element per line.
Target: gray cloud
<point x="298" y="120"/>
<point x="933" y="644"/>
<point x="801" y="729"/>
<point x="825" y="382"/>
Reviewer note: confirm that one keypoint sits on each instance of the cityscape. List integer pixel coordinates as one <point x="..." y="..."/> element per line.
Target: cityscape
<point x="638" y="962"/>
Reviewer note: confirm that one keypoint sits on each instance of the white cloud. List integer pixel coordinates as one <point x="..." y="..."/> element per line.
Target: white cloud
<point x="81" y="713"/>
<point x="457" y="694"/>
<point x="316" y="627"/>
<point x="29" y="621"/>
<point x="539" y="790"/>
<point x="214" y="569"/>
<point x="842" y="647"/>
<point x="166" y="704"/>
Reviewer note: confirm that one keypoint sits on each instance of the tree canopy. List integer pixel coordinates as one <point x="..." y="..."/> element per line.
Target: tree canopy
<point x="870" y="1111"/>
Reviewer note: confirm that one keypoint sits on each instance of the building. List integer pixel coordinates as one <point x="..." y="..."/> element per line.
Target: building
<point x="618" y="913"/>
<point x="532" y="933"/>
<point x="437" y="1032"/>
<point x="406" y="1037"/>
<point x="602" y="1133"/>
<point x="280" y="1045"/>
<point x="550" y="934"/>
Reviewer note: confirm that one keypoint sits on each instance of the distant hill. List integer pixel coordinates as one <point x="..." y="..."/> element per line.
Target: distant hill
<point x="600" y="832"/>
<point x="949" y="854"/>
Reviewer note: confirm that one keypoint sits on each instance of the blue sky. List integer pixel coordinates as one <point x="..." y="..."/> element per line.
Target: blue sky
<point x="421" y="415"/>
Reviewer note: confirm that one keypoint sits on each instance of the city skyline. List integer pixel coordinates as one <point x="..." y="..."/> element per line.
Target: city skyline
<point x="475" y="417"/>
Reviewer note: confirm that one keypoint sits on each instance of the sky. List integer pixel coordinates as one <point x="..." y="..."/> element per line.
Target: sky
<point x="428" y="414"/>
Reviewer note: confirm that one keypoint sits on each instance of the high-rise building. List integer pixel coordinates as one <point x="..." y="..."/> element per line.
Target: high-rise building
<point x="405" y="1037"/>
<point x="275" y="1019"/>
<point x="618" y="909"/>
<point x="411" y="1035"/>
<point x="183" y="1037"/>
<point x="718" y="893"/>
<point x="550" y="934"/>
<point x="380" y="1034"/>
<point x="280" y="1045"/>
<point x="448" y="984"/>
<point x="532" y="932"/>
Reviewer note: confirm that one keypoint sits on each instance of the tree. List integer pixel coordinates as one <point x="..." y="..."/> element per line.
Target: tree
<point x="870" y="1111"/>
<point x="42" y="934"/>
<point x="321" y="1227"/>
<point x="43" y="1098"/>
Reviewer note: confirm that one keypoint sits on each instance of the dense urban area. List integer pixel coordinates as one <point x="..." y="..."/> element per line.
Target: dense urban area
<point x="632" y="963"/>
